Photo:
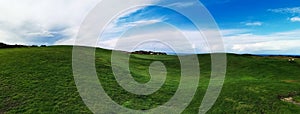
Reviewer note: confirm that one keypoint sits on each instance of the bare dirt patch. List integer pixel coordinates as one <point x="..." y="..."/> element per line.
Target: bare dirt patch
<point x="290" y="100"/>
<point x="290" y="81"/>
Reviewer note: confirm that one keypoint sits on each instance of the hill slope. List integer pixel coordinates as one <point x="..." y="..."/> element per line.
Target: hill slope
<point x="40" y="80"/>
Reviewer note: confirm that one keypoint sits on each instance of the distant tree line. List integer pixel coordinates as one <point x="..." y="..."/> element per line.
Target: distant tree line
<point x="3" y="45"/>
<point x="148" y="53"/>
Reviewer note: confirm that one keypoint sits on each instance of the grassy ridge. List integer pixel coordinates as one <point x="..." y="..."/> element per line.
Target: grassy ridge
<point x="40" y="80"/>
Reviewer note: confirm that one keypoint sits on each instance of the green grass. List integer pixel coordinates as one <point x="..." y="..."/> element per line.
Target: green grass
<point x="297" y="99"/>
<point x="40" y="80"/>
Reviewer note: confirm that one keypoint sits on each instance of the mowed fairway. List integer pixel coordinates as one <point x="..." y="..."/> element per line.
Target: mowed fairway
<point x="40" y="80"/>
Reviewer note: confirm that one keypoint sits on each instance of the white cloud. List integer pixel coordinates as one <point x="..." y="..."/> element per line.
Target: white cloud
<point x="21" y="21"/>
<point x="273" y="46"/>
<point x="182" y="4"/>
<point x="295" y="19"/>
<point x="282" y="42"/>
<point x="26" y="21"/>
<point x="182" y="40"/>
<point x="235" y="41"/>
<point x="114" y="27"/>
<point x="254" y="24"/>
<point x="294" y="10"/>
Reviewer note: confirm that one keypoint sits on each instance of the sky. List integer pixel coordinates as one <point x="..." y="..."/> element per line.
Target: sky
<point x="247" y="26"/>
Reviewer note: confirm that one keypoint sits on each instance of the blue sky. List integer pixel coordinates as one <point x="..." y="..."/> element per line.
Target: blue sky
<point x="247" y="26"/>
<point x="236" y="13"/>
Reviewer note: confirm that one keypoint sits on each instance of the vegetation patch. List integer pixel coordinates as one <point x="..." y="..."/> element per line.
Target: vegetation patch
<point x="40" y="80"/>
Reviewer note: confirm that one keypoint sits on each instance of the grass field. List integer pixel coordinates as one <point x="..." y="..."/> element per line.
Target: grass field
<point x="40" y="80"/>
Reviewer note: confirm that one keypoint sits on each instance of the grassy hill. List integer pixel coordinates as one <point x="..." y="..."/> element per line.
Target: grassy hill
<point x="40" y="80"/>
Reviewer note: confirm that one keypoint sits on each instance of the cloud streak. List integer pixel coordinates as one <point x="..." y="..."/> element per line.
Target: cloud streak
<point x="295" y="19"/>
<point x="293" y="10"/>
<point x="254" y="24"/>
<point x="182" y="4"/>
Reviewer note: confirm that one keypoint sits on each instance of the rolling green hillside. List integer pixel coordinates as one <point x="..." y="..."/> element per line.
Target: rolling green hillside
<point x="40" y="80"/>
